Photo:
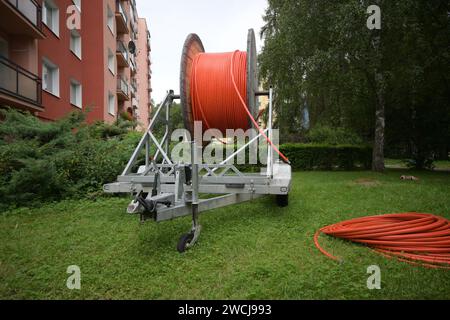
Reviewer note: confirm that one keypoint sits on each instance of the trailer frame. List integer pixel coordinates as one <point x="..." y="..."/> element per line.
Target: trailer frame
<point x="168" y="190"/>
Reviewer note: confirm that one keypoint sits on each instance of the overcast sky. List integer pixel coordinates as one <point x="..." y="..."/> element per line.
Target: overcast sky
<point x="221" y="24"/>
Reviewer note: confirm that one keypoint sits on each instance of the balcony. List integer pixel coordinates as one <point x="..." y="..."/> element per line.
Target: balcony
<point x="123" y="91"/>
<point x="122" y="55"/>
<point x="19" y="87"/>
<point x="134" y="88"/>
<point x="22" y="17"/>
<point x="121" y="18"/>
<point x="137" y="112"/>
<point x="133" y="66"/>
<point x="133" y="27"/>
<point x="135" y="104"/>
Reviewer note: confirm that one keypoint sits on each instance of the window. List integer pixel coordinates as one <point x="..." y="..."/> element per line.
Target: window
<point x="111" y="104"/>
<point x="76" y="94"/>
<point x="50" y="16"/>
<point x="77" y="3"/>
<point x="110" y="20"/>
<point x="75" y="43"/>
<point x="111" y="61"/>
<point x="50" y="77"/>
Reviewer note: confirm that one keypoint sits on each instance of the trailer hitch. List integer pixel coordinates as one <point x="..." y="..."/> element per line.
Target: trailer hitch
<point x="147" y="206"/>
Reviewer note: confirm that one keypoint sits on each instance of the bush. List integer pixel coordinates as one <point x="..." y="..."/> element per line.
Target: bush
<point x="333" y="136"/>
<point x="51" y="161"/>
<point x="328" y="157"/>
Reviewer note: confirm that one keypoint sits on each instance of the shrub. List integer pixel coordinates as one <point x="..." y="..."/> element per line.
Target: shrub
<point x="328" y="157"/>
<point x="47" y="161"/>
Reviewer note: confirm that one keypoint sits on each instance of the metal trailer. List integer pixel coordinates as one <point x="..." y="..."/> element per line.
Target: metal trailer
<point x="167" y="190"/>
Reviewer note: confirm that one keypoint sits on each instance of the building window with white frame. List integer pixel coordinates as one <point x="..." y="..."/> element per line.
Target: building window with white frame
<point x="77" y="3"/>
<point x="75" y="43"/>
<point x="50" y="15"/>
<point x="111" y="62"/>
<point x="50" y="77"/>
<point x="111" y="104"/>
<point x="110" y="19"/>
<point x="76" y="94"/>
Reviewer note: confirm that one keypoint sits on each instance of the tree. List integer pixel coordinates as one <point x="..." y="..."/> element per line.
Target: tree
<point x="321" y="56"/>
<point x="176" y="120"/>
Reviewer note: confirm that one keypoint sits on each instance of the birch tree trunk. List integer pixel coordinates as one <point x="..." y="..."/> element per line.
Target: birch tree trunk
<point x="378" y="147"/>
<point x="380" y="90"/>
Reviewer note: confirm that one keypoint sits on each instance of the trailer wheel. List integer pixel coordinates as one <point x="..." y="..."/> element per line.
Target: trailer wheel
<point x="185" y="239"/>
<point x="282" y="200"/>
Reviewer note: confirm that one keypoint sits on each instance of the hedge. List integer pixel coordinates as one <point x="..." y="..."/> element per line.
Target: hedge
<point x="318" y="157"/>
<point x="327" y="157"/>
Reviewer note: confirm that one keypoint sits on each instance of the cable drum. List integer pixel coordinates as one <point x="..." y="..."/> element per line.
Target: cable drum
<point x="219" y="89"/>
<point x="211" y="86"/>
<point x="207" y="89"/>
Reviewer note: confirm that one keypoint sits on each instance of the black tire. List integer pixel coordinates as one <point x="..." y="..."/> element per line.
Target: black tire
<point x="282" y="200"/>
<point x="185" y="239"/>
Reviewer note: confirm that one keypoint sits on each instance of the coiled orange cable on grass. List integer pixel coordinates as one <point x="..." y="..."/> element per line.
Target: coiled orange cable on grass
<point x="416" y="238"/>
<point x="219" y="85"/>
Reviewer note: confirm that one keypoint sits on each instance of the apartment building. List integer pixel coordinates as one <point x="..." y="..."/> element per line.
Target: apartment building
<point x="58" y="56"/>
<point x="144" y="76"/>
<point x="20" y="30"/>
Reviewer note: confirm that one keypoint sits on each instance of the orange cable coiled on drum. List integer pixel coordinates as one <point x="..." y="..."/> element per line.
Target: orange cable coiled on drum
<point x="218" y="85"/>
<point x="416" y="238"/>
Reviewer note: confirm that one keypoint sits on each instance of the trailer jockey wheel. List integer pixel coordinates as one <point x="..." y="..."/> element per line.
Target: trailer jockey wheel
<point x="188" y="240"/>
<point x="282" y="200"/>
<point x="184" y="242"/>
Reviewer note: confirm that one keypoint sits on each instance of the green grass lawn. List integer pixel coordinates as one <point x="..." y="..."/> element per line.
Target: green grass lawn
<point x="397" y="163"/>
<point x="443" y="165"/>
<point x="248" y="251"/>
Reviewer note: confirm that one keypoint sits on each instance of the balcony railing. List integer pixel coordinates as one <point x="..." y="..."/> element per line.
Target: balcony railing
<point x="133" y="65"/>
<point x="121" y="10"/>
<point x="122" y="86"/>
<point x="19" y="83"/>
<point x="122" y="50"/>
<point x="121" y="19"/>
<point x="134" y="88"/>
<point x="30" y="9"/>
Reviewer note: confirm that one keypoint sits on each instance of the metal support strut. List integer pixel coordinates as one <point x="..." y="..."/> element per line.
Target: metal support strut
<point x="188" y="240"/>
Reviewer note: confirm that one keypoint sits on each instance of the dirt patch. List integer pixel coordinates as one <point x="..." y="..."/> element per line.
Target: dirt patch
<point x="367" y="182"/>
